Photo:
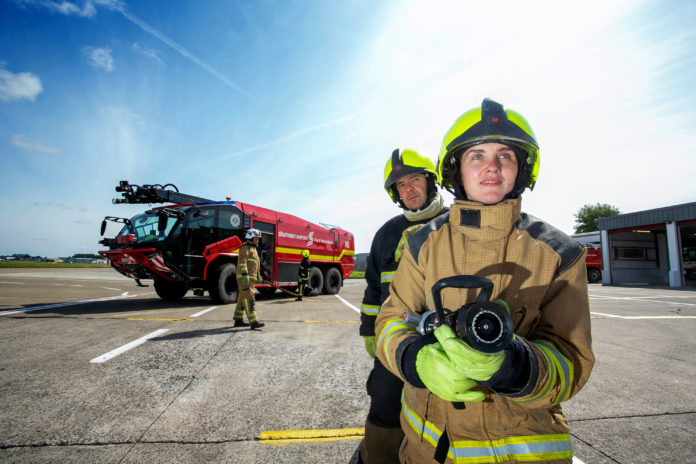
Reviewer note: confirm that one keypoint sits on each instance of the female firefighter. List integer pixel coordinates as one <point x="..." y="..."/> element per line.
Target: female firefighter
<point x="511" y="399"/>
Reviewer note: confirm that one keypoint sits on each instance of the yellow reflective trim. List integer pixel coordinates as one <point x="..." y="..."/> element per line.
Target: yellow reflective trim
<point x="424" y="429"/>
<point x="369" y="310"/>
<point x="393" y="327"/>
<point x="560" y="373"/>
<point x="526" y="448"/>
<point x="387" y="276"/>
<point x="564" y="368"/>
<point x="315" y="257"/>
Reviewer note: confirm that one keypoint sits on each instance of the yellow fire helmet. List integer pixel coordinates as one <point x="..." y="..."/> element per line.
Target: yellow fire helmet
<point x="407" y="162"/>
<point x="489" y="123"/>
<point x="305" y="253"/>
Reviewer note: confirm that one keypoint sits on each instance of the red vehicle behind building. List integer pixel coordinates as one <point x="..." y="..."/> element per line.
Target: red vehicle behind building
<point x="193" y="244"/>
<point x="593" y="262"/>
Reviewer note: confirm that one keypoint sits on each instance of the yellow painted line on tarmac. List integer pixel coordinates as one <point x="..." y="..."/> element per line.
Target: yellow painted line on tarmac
<point x="338" y="320"/>
<point x="282" y="437"/>
<point x="155" y="319"/>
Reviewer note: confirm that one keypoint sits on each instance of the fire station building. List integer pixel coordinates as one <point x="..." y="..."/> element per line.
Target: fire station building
<point x="653" y="247"/>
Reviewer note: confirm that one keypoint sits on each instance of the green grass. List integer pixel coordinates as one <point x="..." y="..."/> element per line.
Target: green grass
<point x="357" y="275"/>
<point x="40" y="264"/>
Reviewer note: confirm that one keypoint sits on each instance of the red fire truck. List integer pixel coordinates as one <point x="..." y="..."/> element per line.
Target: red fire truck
<point x="193" y="243"/>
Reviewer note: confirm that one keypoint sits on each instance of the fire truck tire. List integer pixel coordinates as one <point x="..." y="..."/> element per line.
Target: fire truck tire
<point x="316" y="280"/>
<point x="170" y="291"/>
<point x="332" y="281"/>
<point x="593" y="275"/>
<point x="223" y="286"/>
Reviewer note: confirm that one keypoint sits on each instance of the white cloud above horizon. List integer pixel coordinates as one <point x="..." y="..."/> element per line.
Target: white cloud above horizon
<point x="18" y="86"/>
<point x="99" y="57"/>
<point x="21" y="141"/>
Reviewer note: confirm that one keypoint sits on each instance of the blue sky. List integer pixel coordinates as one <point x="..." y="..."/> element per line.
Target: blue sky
<point x="296" y="105"/>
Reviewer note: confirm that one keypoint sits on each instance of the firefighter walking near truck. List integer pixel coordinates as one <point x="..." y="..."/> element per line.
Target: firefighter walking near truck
<point x="248" y="273"/>
<point x="303" y="275"/>
<point x="410" y="180"/>
<point x="461" y="404"/>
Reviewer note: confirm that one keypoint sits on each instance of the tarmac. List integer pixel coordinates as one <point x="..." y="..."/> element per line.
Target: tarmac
<point x="95" y="369"/>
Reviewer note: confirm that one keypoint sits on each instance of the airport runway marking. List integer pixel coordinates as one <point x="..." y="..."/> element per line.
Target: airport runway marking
<point x="641" y="299"/>
<point x="203" y="312"/>
<point x="122" y="349"/>
<point x="354" y="308"/>
<point x="338" y="320"/>
<point x="282" y="437"/>
<point x="615" y="316"/>
<point x="156" y="319"/>
<point x="69" y="303"/>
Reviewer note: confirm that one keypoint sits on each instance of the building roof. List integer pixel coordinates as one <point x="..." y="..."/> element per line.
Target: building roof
<point x="684" y="212"/>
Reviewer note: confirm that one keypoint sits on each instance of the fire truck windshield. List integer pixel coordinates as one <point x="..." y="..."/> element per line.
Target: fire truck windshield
<point x="144" y="227"/>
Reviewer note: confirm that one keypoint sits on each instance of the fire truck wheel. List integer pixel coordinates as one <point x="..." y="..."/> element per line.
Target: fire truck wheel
<point x="223" y="285"/>
<point x="593" y="275"/>
<point x="332" y="281"/>
<point x="316" y="280"/>
<point x="170" y="291"/>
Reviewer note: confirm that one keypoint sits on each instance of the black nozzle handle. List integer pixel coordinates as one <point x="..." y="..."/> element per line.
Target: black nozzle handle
<point x="460" y="281"/>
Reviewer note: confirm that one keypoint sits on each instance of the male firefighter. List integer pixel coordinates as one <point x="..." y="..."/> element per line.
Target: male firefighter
<point x="248" y="273"/>
<point x="506" y="403"/>
<point x="303" y="275"/>
<point x="410" y="180"/>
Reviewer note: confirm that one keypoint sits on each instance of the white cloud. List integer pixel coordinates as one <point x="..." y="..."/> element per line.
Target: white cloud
<point x="20" y="141"/>
<point x="99" y="57"/>
<point x="149" y="52"/>
<point x="87" y="10"/>
<point x="18" y="86"/>
<point x="69" y="8"/>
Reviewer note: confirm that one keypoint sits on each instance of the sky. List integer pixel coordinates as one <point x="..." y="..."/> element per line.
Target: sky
<point x="296" y="105"/>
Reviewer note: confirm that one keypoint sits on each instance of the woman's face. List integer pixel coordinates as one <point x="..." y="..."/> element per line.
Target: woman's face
<point x="488" y="172"/>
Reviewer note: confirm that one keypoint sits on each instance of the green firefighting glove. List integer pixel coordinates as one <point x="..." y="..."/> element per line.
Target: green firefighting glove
<point x="472" y="363"/>
<point x="370" y="345"/>
<point x="399" y="252"/>
<point x="245" y="280"/>
<point x="441" y="376"/>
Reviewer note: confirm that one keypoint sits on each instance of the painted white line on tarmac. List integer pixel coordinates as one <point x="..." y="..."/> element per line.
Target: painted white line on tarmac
<point x="348" y="304"/>
<point x="642" y="317"/>
<point x="70" y="303"/>
<point x="577" y="461"/>
<point x="642" y="299"/>
<point x="203" y="312"/>
<point x="14" y="283"/>
<point x="109" y="288"/>
<point x="113" y="353"/>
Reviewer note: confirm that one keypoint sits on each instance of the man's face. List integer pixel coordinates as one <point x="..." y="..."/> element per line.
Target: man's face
<point x="255" y="240"/>
<point x="413" y="190"/>
<point x="488" y="172"/>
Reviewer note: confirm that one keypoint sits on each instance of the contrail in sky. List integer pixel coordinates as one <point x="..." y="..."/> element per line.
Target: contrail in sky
<point x="290" y="136"/>
<point x="118" y="6"/>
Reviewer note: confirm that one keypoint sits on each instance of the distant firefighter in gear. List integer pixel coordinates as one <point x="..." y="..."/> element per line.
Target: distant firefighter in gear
<point x="466" y="405"/>
<point x="303" y="275"/>
<point x="247" y="275"/>
<point x="410" y="181"/>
